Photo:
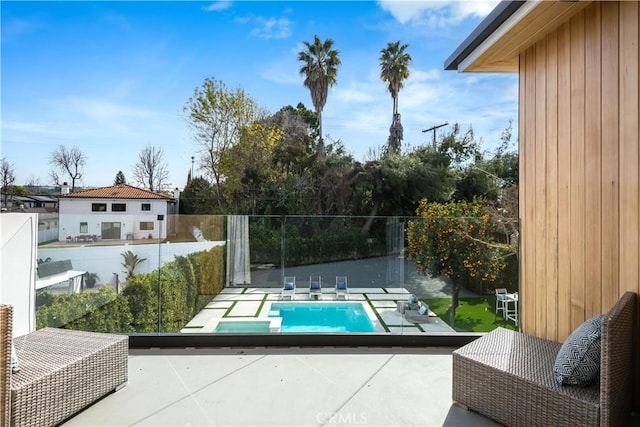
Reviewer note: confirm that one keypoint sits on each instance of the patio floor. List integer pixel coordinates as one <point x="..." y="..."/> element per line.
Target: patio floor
<point x="284" y="387"/>
<point x="253" y="303"/>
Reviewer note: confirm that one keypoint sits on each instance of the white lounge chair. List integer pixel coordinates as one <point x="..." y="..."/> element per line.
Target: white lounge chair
<point x="315" y="287"/>
<point x="342" y="290"/>
<point x="288" y="288"/>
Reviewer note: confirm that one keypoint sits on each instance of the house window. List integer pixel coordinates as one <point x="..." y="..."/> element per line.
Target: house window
<point x="118" y="207"/>
<point x="146" y="206"/>
<point x="98" y="207"/>
<point x="146" y="225"/>
<point x="84" y="228"/>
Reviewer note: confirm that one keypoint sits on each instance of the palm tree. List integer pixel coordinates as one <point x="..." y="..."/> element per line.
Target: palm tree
<point x="131" y="261"/>
<point x="394" y="69"/>
<point x="320" y="67"/>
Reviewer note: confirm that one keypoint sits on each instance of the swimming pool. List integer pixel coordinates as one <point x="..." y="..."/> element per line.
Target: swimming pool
<point x="318" y="317"/>
<point x="242" y="327"/>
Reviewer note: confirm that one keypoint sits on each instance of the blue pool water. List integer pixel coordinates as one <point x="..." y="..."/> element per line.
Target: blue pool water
<point x="242" y="327"/>
<point x="322" y="317"/>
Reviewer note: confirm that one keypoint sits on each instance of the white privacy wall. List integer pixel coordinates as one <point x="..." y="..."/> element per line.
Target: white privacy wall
<point x="18" y="234"/>
<point x="107" y="260"/>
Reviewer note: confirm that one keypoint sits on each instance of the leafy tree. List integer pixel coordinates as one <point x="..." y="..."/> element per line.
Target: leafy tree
<point x="198" y="197"/>
<point x="216" y="116"/>
<point x="248" y="166"/>
<point x="320" y="68"/>
<point x="68" y="161"/>
<point x="394" y="69"/>
<point x="131" y="261"/>
<point x="120" y="179"/>
<point x="151" y="171"/>
<point x="7" y="178"/>
<point x="460" y="148"/>
<point x="456" y="239"/>
<point x="299" y="131"/>
<point x="490" y="178"/>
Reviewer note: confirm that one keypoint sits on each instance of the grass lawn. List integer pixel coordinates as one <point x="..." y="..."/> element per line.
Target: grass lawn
<point x="472" y="315"/>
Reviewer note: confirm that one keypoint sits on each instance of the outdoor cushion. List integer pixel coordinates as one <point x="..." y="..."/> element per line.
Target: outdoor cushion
<point x="578" y="361"/>
<point x="288" y="286"/>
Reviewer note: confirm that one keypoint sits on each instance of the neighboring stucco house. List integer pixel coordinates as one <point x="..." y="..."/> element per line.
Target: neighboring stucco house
<point x="117" y="212"/>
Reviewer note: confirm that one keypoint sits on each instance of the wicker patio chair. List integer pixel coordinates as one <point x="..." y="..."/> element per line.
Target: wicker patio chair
<point x="61" y="372"/>
<point x="508" y="376"/>
<point x="6" y="313"/>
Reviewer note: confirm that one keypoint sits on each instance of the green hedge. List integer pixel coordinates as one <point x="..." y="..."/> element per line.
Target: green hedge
<point x="164" y="300"/>
<point x="312" y="241"/>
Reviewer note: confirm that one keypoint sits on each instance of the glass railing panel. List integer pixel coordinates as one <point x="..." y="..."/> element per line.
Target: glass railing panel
<point x="226" y="274"/>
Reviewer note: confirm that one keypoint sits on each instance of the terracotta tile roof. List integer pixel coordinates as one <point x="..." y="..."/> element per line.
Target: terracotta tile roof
<point x="120" y="191"/>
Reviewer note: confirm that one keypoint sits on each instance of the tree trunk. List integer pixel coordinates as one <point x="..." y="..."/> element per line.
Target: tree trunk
<point x="455" y="288"/>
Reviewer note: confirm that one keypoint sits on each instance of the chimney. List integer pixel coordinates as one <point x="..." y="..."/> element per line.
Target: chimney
<point x="65" y="188"/>
<point x="176" y="193"/>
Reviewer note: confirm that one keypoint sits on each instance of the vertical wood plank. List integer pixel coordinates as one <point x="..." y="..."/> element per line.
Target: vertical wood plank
<point x="610" y="153"/>
<point x="564" y="182"/>
<point x="551" y="203"/>
<point x="629" y="161"/>
<point x="540" y="184"/>
<point x="530" y="180"/>
<point x="578" y="206"/>
<point x="522" y="192"/>
<point x="593" y="162"/>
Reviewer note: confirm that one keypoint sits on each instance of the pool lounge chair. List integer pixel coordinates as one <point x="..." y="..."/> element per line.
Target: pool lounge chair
<point x="315" y="287"/>
<point x="342" y="290"/>
<point x="288" y="288"/>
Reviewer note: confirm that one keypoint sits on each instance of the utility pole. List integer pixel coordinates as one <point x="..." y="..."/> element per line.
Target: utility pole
<point x="434" y="131"/>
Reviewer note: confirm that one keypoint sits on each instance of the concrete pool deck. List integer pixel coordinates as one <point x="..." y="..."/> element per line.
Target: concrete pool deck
<point x="254" y="303"/>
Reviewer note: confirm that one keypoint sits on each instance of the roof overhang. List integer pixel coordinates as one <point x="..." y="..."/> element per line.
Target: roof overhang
<point x="511" y="28"/>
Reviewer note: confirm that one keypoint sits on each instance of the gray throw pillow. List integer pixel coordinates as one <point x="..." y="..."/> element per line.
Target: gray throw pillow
<point x="578" y="361"/>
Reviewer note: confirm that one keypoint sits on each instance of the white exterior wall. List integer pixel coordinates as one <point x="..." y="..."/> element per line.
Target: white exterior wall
<point x="107" y="260"/>
<point x="74" y="211"/>
<point x="18" y="233"/>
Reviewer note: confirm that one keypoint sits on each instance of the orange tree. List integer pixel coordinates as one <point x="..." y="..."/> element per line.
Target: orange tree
<point x="457" y="240"/>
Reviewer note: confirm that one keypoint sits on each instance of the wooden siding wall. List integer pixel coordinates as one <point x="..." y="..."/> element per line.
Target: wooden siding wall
<point x="579" y="183"/>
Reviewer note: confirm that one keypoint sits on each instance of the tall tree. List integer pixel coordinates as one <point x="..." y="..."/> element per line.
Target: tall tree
<point x="7" y="178"/>
<point x="68" y="161"/>
<point x="216" y="116"/>
<point x="456" y="239"/>
<point x="120" y="179"/>
<point x="394" y="69"/>
<point x="320" y="68"/>
<point x="151" y="170"/>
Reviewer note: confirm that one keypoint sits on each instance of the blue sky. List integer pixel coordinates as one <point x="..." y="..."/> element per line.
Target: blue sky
<point x="113" y="77"/>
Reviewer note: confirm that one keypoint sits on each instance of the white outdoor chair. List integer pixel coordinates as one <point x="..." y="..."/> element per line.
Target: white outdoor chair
<point x="288" y="288"/>
<point x="342" y="290"/>
<point x="315" y="287"/>
<point x="501" y="301"/>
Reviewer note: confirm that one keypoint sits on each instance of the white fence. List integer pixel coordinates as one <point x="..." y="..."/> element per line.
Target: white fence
<point x="49" y="235"/>
<point x="106" y="261"/>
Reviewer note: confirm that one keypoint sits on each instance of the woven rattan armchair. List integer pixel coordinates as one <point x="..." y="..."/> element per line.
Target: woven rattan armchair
<point x="61" y="372"/>
<point x="508" y="376"/>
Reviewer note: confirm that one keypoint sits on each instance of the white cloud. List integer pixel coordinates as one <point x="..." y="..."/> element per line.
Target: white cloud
<point x="101" y="109"/>
<point x="217" y="6"/>
<point x="284" y="71"/>
<point x="437" y="13"/>
<point x="357" y="92"/>
<point x="272" y="28"/>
